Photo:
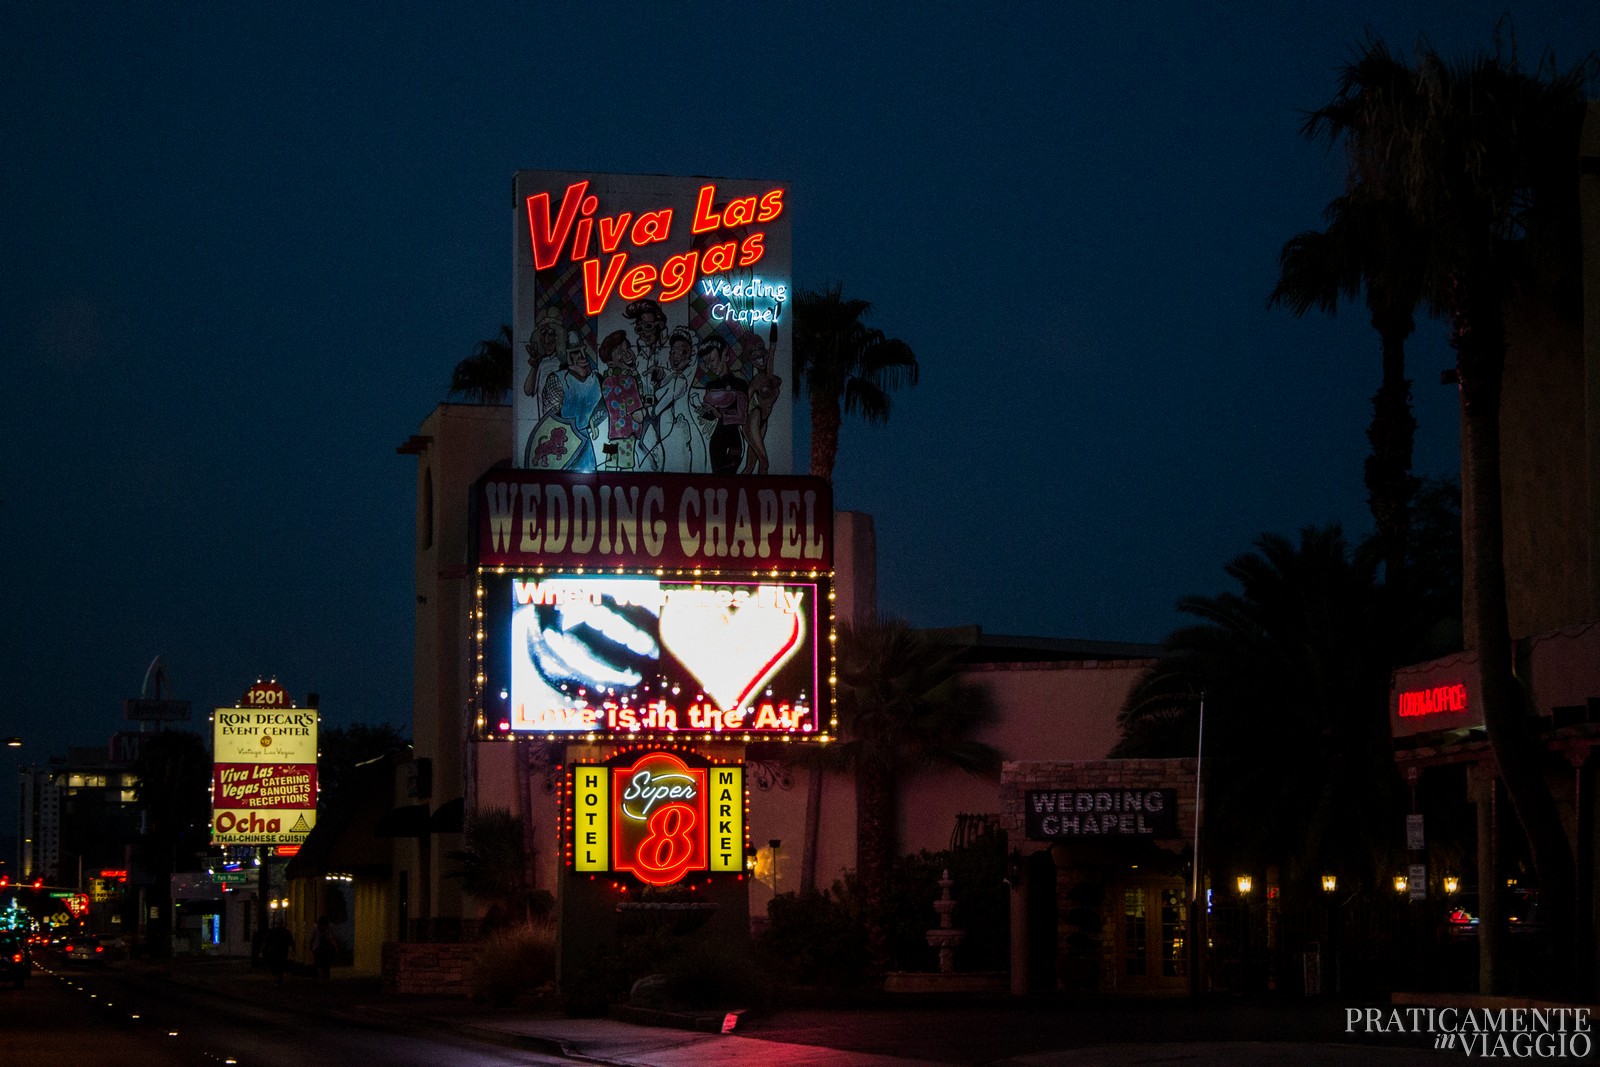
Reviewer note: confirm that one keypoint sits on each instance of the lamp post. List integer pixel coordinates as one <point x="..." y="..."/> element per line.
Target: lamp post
<point x="1330" y="890"/>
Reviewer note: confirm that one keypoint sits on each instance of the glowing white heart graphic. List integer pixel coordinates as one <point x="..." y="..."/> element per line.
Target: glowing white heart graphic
<point x="731" y="652"/>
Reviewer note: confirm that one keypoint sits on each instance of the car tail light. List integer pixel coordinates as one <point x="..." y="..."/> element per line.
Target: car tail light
<point x="17" y="958"/>
<point x="99" y="948"/>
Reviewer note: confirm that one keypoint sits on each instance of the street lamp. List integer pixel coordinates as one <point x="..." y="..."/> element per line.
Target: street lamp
<point x="1401" y="883"/>
<point x="1244" y="883"/>
<point x="1451" y="883"/>
<point x="1330" y="883"/>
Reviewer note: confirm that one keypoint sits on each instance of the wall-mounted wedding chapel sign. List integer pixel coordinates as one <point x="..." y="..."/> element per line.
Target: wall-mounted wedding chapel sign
<point x="652" y="324"/>
<point x="1056" y="814"/>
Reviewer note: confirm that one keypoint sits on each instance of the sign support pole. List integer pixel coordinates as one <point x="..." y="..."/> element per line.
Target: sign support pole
<point x="1197" y="916"/>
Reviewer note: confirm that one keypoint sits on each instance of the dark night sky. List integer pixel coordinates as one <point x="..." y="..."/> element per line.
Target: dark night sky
<point x="243" y="245"/>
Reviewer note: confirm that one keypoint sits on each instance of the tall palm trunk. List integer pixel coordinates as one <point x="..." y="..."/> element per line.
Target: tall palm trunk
<point x="826" y="419"/>
<point x="523" y="754"/>
<point x="1478" y="336"/>
<point x="1390" y="486"/>
<point x="813" y="828"/>
<point x="876" y="821"/>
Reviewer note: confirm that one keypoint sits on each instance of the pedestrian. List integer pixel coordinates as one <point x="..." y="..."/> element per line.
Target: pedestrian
<point x="324" y="947"/>
<point x="275" y="948"/>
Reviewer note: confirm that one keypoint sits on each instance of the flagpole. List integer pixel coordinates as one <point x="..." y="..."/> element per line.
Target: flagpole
<point x="1197" y="926"/>
<point x="1199" y="764"/>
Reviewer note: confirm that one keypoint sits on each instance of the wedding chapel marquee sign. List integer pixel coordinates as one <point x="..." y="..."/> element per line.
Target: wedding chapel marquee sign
<point x="634" y="605"/>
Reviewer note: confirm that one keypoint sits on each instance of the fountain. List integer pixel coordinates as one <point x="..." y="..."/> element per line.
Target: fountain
<point x="945" y="937"/>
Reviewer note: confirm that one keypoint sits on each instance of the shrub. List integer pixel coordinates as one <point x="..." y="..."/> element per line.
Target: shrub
<point x="712" y="974"/>
<point x="819" y="939"/>
<point x="512" y="960"/>
<point x="814" y="939"/>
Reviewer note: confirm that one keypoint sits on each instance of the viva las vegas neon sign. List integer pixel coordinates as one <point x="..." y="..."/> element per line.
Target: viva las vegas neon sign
<point x="597" y="241"/>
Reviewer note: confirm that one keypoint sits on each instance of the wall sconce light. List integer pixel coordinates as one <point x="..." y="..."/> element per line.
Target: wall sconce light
<point x="1401" y="883"/>
<point x="1451" y="883"/>
<point x="1330" y="883"/>
<point x="273" y="904"/>
<point x="1244" y="884"/>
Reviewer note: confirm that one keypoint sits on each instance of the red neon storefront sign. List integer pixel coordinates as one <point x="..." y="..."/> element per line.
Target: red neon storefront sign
<point x="1432" y="701"/>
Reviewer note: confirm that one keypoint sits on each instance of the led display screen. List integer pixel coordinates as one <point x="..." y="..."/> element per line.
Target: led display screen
<point x="629" y="655"/>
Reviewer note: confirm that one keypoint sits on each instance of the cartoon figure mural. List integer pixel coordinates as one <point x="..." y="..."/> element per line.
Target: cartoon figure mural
<point x="764" y="390"/>
<point x="563" y="438"/>
<point x="727" y="401"/>
<point x="624" y="400"/>
<point x="544" y="351"/>
<point x="649" y="341"/>
<point x="673" y="300"/>
<point x="673" y="438"/>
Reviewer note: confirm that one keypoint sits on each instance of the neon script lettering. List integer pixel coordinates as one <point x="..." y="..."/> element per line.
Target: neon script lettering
<point x="738" y="301"/>
<point x="574" y="227"/>
<point x="1440" y="698"/>
<point x="646" y="790"/>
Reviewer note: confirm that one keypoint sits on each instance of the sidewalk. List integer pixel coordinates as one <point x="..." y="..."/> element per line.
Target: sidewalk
<point x="995" y="1031"/>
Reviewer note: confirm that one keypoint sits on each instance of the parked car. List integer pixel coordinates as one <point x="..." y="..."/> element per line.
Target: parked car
<point x="86" y="949"/>
<point x="16" y="960"/>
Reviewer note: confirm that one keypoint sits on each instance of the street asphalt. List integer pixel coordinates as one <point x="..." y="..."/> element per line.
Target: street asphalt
<point x="995" y="1031"/>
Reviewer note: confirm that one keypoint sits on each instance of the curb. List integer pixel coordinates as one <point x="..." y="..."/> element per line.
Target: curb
<point x="382" y="1016"/>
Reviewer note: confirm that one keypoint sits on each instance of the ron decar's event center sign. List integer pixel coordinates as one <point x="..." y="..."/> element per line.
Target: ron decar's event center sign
<point x="264" y="775"/>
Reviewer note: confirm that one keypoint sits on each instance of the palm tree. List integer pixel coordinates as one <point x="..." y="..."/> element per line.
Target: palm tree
<point x="1368" y="247"/>
<point x="1295" y="661"/>
<point x="493" y="866"/>
<point x="903" y="706"/>
<point x="173" y="790"/>
<point x="848" y="367"/>
<point x="485" y="376"/>
<point x="1483" y="157"/>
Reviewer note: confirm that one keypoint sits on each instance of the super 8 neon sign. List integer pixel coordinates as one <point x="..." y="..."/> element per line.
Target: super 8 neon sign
<point x="658" y="816"/>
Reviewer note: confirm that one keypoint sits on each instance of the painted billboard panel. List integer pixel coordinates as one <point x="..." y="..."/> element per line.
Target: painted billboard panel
<point x="637" y="655"/>
<point x="651" y="320"/>
<point x="264" y="775"/>
<point x="556" y="519"/>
